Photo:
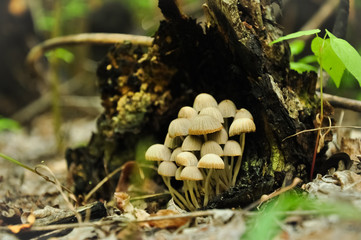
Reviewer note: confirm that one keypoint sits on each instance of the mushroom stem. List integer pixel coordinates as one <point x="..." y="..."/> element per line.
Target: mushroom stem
<point x="219" y="182"/>
<point x="178" y="198"/>
<point x="206" y="187"/>
<point x="205" y="137"/>
<point x="231" y="169"/>
<point x="242" y="140"/>
<point x="236" y="170"/>
<point x="187" y="194"/>
<point x="193" y="197"/>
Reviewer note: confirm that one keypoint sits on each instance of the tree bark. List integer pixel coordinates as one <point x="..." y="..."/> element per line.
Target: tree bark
<point x="231" y="58"/>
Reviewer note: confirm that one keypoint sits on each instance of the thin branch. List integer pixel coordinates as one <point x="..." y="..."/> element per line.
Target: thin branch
<point x="341" y="102"/>
<point x="85" y="38"/>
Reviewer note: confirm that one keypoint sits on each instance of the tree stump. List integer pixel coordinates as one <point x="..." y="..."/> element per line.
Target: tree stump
<point x="231" y="58"/>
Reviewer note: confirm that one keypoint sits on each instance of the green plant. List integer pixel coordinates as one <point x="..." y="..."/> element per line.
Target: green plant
<point x="334" y="55"/>
<point x="267" y="222"/>
<point x="7" y="124"/>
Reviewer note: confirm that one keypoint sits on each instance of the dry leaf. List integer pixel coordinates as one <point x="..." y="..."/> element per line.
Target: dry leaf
<point x="17" y="228"/>
<point x="122" y="202"/>
<point x="168" y="223"/>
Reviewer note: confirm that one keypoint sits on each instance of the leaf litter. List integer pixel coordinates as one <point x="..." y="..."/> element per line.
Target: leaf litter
<point x="29" y="204"/>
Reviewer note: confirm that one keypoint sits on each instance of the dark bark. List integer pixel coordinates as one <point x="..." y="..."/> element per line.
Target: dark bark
<point x="230" y="59"/>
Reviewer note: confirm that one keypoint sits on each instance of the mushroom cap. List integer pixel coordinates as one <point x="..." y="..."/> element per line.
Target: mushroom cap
<point x="175" y="153"/>
<point x="187" y="112"/>
<point x="192" y="143"/>
<point x="212" y="111"/>
<point x="211" y="147"/>
<point x="204" y="124"/>
<point x="204" y="100"/>
<point x="178" y="127"/>
<point x="227" y="108"/>
<point x="219" y="137"/>
<point x="167" y="169"/>
<point x="186" y="159"/>
<point x="241" y="125"/>
<point x="172" y="143"/>
<point x="211" y="160"/>
<point x="157" y="152"/>
<point x="243" y="113"/>
<point x="178" y="172"/>
<point x="232" y="148"/>
<point x="191" y="173"/>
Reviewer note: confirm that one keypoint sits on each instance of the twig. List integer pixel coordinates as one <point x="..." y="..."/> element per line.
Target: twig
<point x="341" y="102"/>
<point x="279" y="191"/>
<point x="86" y="198"/>
<point x="84" y="38"/>
<point x="320" y="128"/>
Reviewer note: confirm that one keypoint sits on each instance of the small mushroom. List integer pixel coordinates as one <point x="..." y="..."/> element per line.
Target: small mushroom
<point x="232" y="149"/>
<point x="243" y="113"/>
<point x="204" y="100"/>
<point x="175" y="153"/>
<point x="212" y="111"/>
<point x="211" y="147"/>
<point x="172" y="143"/>
<point x="219" y="137"/>
<point x="203" y="125"/>
<point x="186" y="159"/>
<point x="167" y="169"/>
<point x="179" y="127"/>
<point x="187" y="112"/>
<point x="227" y="108"/>
<point x="210" y="161"/>
<point x="190" y="174"/>
<point x="157" y="152"/>
<point x="192" y="143"/>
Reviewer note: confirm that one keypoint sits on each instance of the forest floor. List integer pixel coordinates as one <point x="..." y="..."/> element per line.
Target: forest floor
<point x="327" y="208"/>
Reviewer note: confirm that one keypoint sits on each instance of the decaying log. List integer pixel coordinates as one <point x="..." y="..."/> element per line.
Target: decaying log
<point x="231" y="58"/>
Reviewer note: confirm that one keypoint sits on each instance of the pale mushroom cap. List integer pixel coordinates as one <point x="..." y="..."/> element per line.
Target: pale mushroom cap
<point x="157" y="152"/>
<point x="227" y="108"/>
<point x="219" y="137"/>
<point x="204" y="100"/>
<point x="212" y="111"/>
<point x="178" y="172"/>
<point x="241" y="125"/>
<point x="179" y="127"/>
<point x="243" y="113"/>
<point x="191" y="173"/>
<point x="187" y="112"/>
<point x="232" y="148"/>
<point x="167" y="169"/>
<point x="211" y="147"/>
<point x="204" y="124"/>
<point x="172" y="143"/>
<point x="192" y="143"/>
<point x="175" y="153"/>
<point x="211" y="160"/>
<point x="186" y="159"/>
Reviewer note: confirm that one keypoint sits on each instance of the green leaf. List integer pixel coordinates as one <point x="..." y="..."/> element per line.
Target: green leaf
<point x="302" y="67"/>
<point x="347" y="54"/>
<point x="8" y="124"/>
<point x="308" y="59"/>
<point x="297" y="47"/>
<point x="296" y="35"/>
<point x="328" y="59"/>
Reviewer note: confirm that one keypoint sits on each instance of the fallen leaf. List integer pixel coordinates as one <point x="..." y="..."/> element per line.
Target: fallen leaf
<point x="168" y="223"/>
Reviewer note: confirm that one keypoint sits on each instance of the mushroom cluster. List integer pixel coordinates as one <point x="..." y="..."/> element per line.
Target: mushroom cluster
<point x="203" y="149"/>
